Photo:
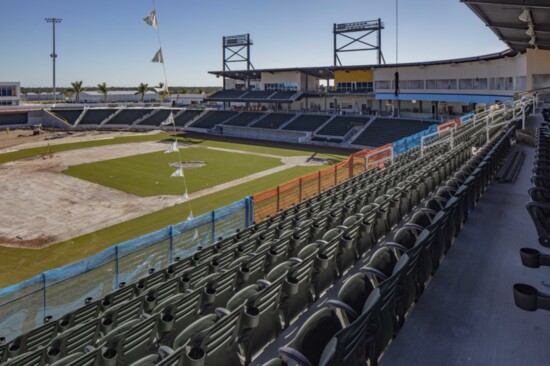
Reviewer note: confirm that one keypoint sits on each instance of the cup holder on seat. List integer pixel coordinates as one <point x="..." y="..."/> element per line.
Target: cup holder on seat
<point x="528" y="298"/>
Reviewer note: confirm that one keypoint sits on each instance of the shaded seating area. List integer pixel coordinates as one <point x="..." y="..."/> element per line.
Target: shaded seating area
<point x="257" y="94"/>
<point x="127" y="117"/>
<point x="386" y="130"/>
<point x="68" y="115"/>
<point x="227" y="94"/>
<point x="284" y="95"/>
<point x="341" y="125"/>
<point x="213" y="118"/>
<point x="95" y="116"/>
<point x="244" y="119"/>
<point x="156" y="119"/>
<point x="7" y="119"/>
<point x="307" y="122"/>
<point x="273" y="120"/>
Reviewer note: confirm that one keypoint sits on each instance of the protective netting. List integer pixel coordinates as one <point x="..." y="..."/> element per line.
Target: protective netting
<point x="50" y="295"/>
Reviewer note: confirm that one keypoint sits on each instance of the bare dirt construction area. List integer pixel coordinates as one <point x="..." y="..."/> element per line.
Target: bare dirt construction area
<point x="40" y="206"/>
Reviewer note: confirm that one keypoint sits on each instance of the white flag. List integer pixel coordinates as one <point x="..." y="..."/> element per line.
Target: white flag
<point x="196" y="236"/>
<point x="178" y="173"/>
<point x="169" y="120"/>
<point x="191" y="217"/>
<point x="173" y="148"/>
<point x="185" y="197"/>
<point x="151" y="19"/>
<point x="158" y="57"/>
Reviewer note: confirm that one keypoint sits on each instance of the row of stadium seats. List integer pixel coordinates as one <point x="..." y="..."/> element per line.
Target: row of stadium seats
<point x="245" y="258"/>
<point x="372" y="305"/>
<point x="244" y="119"/>
<point x="341" y="125"/>
<point x="231" y="95"/>
<point x="385" y="130"/>
<point x="307" y="122"/>
<point x="527" y="297"/>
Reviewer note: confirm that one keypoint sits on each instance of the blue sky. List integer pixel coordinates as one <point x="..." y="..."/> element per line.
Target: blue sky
<point x="107" y="40"/>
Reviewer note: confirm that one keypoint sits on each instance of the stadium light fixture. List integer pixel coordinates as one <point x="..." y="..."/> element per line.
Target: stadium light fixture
<point x="525" y="16"/>
<point x="53" y="55"/>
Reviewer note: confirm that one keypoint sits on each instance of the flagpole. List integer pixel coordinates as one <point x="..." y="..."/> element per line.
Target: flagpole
<point x="171" y="114"/>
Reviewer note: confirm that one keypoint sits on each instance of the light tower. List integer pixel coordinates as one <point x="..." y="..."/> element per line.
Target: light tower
<point x="53" y="55"/>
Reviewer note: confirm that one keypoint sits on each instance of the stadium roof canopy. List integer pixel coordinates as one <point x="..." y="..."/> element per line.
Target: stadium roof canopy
<point x="327" y="72"/>
<point x="521" y="24"/>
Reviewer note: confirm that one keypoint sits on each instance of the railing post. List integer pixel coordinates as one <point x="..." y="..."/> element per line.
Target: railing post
<point x="43" y="296"/>
<point x="523" y="116"/>
<point x="116" y="268"/>
<point x="300" y="191"/>
<point x="171" y="236"/>
<point x="319" y="180"/>
<point x="213" y="238"/>
<point x="452" y="139"/>
<point x="278" y="198"/>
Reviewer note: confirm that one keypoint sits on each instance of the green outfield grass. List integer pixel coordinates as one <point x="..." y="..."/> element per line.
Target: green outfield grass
<point x="149" y="174"/>
<point x="17" y="265"/>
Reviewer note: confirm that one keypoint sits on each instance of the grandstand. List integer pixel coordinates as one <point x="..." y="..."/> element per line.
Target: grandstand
<point x="386" y="130"/>
<point x="127" y="117"/>
<point x="69" y="116"/>
<point x="307" y="122"/>
<point x="341" y="125"/>
<point x="273" y="121"/>
<point x="156" y="119"/>
<point x="244" y="119"/>
<point x="406" y="252"/>
<point x="371" y="244"/>
<point x="212" y="118"/>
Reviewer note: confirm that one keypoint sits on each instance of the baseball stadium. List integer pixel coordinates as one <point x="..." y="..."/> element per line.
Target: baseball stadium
<point x="379" y="213"/>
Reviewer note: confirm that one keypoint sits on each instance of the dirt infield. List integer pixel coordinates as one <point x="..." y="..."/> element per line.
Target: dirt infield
<point x="40" y="206"/>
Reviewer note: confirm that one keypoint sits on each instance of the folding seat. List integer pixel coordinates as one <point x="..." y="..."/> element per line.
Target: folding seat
<point x="405" y="198"/>
<point x="382" y="216"/>
<point x="277" y="253"/>
<point x="123" y="294"/>
<point x="155" y="278"/>
<point x="122" y="313"/>
<point x="208" y="341"/>
<point x="178" y="267"/>
<point x="394" y="214"/>
<point x="32" y="340"/>
<point x="368" y="229"/>
<point x="176" y="313"/>
<point x="204" y="255"/>
<point x="36" y="357"/>
<point x="222" y="260"/>
<point x="325" y="269"/>
<point x="243" y="248"/>
<point x="74" y="340"/>
<point x="217" y="289"/>
<point x="159" y="293"/>
<point x="261" y="321"/>
<point x="325" y="340"/>
<point x="335" y="215"/>
<point x="189" y="278"/>
<point x="250" y="268"/>
<point x="89" y="311"/>
<point x="415" y="187"/>
<point x="297" y="293"/>
<point x="348" y="252"/>
<point x="319" y="225"/>
<point x="540" y="215"/>
<point x="130" y="341"/>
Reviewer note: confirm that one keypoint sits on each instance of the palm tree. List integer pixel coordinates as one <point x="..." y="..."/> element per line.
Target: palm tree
<point x="142" y="89"/>
<point x="77" y="89"/>
<point x="103" y="89"/>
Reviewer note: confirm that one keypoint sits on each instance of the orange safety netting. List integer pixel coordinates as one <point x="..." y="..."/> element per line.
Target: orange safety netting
<point x="449" y="124"/>
<point x="270" y="202"/>
<point x="377" y="157"/>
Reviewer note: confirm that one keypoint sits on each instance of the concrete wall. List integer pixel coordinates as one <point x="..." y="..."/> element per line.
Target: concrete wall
<point x="15" y="99"/>
<point x="538" y="69"/>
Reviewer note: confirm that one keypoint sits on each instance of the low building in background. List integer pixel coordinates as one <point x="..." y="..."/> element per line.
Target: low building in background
<point x="10" y="93"/>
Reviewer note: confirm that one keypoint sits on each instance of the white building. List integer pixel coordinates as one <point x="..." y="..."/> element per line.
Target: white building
<point x="10" y="93"/>
<point x="186" y="100"/>
<point x="117" y="96"/>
